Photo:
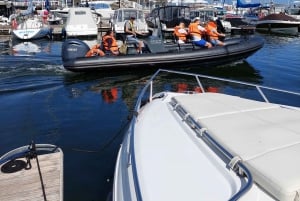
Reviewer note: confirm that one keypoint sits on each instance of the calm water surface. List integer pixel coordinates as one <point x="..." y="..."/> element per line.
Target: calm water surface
<point x="84" y="114"/>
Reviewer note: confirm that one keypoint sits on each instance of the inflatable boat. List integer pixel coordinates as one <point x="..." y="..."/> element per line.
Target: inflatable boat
<point x="157" y="54"/>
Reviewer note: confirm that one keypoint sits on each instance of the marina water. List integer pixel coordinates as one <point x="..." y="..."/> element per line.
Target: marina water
<point x="85" y="114"/>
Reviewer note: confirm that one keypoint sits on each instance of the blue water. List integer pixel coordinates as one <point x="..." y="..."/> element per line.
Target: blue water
<point x="85" y="114"/>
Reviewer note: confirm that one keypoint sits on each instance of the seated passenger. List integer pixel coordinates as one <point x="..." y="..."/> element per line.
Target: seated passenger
<point x="110" y="43"/>
<point x="214" y="35"/>
<point x="95" y="51"/>
<point x="180" y="33"/>
<point x="196" y="31"/>
<point x="130" y="31"/>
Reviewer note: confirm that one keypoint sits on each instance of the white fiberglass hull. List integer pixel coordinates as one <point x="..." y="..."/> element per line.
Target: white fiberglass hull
<point x="209" y="146"/>
<point x="80" y="30"/>
<point x="278" y="26"/>
<point x="172" y="164"/>
<point x="27" y="34"/>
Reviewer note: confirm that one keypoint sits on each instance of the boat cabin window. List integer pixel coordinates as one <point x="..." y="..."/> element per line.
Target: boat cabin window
<point x="141" y="15"/>
<point x="126" y="14"/>
<point x="154" y="13"/>
<point x="172" y="15"/>
<point x="204" y="15"/>
<point x="120" y="18"/>
<point x="99" y="6"/>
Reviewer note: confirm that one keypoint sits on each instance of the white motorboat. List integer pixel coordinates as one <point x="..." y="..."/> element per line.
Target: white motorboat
<point x="33" y="172"/>
<point x="29" y="26"/>
<point x="4" y="20"/>
<point x="278" y="23"/>
<point x="103" y="8"/>
<point x="210" y="146"/>
<point x="32" y="28"/>
<point x="293" y="9"/>
<point x="80" y="22"/>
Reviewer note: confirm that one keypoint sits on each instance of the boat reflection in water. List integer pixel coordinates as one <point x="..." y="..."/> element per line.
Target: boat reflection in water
<point x="30" y="48"/>
<point x="113" y="87"/>
<point x="42" y="47"/>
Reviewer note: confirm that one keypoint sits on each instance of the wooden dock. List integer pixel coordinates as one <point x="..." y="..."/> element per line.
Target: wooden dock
<point x="25" y="185"/>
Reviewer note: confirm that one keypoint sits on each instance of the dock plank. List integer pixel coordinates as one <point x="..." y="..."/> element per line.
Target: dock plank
<point x="25" y="185"/>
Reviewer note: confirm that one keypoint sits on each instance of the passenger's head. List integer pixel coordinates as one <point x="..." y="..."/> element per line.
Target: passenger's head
<point x="181" y="25"/>
<point x="109" y="32"/>
<point x="196" y="20"/>
<point x="212" y="23"/>
<point x="132" y="18"/>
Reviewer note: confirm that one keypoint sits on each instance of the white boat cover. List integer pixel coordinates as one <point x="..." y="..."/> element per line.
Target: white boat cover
<point x="265" y="136"/>
<point x="80" y="22"/>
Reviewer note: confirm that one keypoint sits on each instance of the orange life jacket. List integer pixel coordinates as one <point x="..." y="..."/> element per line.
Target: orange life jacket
<point x="94" y="51"/>
<point x="194" y="30"/>
<point x="211" y="29"/>
<point x="181" y="36"/>
<point x="110" y="95"/>
<point x="114" y="45"/>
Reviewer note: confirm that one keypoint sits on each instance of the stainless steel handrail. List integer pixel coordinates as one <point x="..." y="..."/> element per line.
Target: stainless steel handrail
<point x="206" y="137"/>
<point x="132" y="148"/>
<point x="137" y="108"/>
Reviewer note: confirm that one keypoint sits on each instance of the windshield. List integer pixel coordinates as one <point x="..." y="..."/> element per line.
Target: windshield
<point x="137" y="14"/>
<point x="99" y="6"/>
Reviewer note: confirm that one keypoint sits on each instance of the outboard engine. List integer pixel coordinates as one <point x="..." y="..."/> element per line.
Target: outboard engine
<point x="73" y="48"/>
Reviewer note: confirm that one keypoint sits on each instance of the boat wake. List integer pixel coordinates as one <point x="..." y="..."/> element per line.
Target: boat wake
<point x="24" y="65"/>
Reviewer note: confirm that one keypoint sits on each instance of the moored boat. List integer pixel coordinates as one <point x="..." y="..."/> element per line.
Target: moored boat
<point x="80" y="23"/>
<point x="293" y="9"/>
<point x="278" y="23"/>
<point x="31" y="26"/>
<point x="214" y="146"/>
<point x="33" y="172"/>
<point x="156" y="53"/>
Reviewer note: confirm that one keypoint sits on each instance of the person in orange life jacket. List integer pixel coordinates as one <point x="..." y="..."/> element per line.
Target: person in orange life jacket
<point x="214" y="35"/>
<point x="180" y="33"/>
<point x="94" y="51"/>
<point x="130" y="31"/>
<point x="196" y="31"/>
<point x="110" y="43"/>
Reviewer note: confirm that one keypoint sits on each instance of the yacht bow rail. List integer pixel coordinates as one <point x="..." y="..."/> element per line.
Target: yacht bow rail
<point x="235" y="163"/>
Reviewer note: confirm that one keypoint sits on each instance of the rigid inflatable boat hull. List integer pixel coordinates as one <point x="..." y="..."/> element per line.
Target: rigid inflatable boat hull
<point x="236" y="49"/>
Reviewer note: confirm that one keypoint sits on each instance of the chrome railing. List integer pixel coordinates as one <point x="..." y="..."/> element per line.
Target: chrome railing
<point x="238" y="165"/>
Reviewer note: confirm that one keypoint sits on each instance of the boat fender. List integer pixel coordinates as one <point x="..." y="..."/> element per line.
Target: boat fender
<point x="74" y="48"/>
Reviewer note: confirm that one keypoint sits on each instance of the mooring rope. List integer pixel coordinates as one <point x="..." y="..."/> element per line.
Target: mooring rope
<point x="33" y="154"/>
<point x="110" y="141"/>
